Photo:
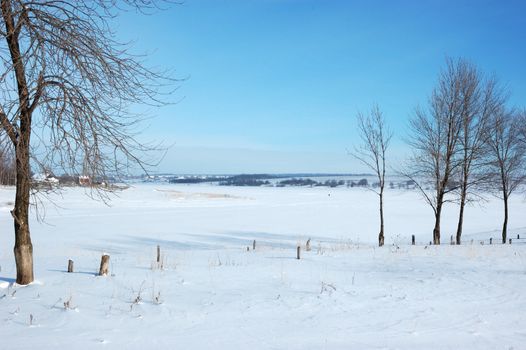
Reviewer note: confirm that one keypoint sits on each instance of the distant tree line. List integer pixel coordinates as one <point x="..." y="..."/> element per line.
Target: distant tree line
<point x="301" y="182"/>
<point x="263" y="180"/>
<point x="7" y="167"/>
<point x="310" y="183"/>
<point x="248" y="180"/>
<point x="297" y="182"/>
<point x="193" y="180"/>
<point x="235" y="180"/>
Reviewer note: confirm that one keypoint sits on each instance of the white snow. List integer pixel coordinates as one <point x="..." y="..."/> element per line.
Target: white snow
<point x="211" y="293"/>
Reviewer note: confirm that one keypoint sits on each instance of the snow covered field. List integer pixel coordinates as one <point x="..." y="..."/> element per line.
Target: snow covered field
<point x="212" y="294"/>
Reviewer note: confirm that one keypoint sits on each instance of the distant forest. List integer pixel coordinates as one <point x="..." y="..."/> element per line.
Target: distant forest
<point x="264" y="180"/>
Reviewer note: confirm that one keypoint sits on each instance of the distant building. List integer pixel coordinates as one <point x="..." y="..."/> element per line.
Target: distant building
<point x="84" y="181"/>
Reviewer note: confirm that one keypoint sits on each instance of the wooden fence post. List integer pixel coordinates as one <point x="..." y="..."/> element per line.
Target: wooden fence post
<point x="104" y="265"/>
<point x="491" y="241"/>
<point x="70" y="265"/>
<point x="254" y="245"/>
<point x="158" y="254"/>
<point x="298" y="252"/>
<point x="307" y="245"/>
<point x="413" y="240"/>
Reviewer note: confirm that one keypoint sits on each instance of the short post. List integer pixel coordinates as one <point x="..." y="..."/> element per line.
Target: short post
<point x="430" y="243"/>
<point x="510" y="240"/>
<point x="70" y="265"/>
<point x="104" y="265"/>
<point x="254" y="245"/>
<point x="298" y="249"/>
<point x="518" y="236"/>
<point x="491" y="241"/>
<point x="452" y="241"/>
<point x="307" y="246"/>
<point x="413" y="240"/>
<point x="158" y="253"/>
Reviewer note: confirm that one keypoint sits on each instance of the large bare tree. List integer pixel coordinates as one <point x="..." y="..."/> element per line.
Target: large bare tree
<point x="65" y="88"/>
<point x="507" y="156"/>
<point x="376" y="137"/>
<point x="435" y="141"/>
<point x="480" y="98"/>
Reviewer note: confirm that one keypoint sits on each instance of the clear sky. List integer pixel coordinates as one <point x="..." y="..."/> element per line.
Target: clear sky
<point x="275" y="85"/>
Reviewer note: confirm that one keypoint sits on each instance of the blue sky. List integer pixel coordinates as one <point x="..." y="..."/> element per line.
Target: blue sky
<point x="274" y="86"/>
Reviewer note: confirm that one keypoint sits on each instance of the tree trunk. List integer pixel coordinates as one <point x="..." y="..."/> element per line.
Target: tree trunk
<point x="21" y="139"/>
<point x="381" y="234"/>
<point x="436" y="230"/>
<point x="505" y="224"/>
<point x="461" y="215"/>
<point x="23" y="247"/>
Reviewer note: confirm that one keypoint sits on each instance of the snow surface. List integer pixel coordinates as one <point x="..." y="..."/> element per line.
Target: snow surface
<point x="212" y="293"/>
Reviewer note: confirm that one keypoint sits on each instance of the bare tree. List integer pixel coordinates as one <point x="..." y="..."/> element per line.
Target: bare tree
<point x="435" y="141"/>
<point x="375" y="137"/>
<point x="507" y="157"/>
<point x="65" y="90"/>
<point x="480" y="99"/>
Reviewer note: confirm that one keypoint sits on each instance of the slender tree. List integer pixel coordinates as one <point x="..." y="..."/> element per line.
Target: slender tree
<point x="376" y="137"/>
<point x="65" y="90"/>
<point x="480" y="98"/>
<point x="435" y="142"/>
<point x="507" y="156"/>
